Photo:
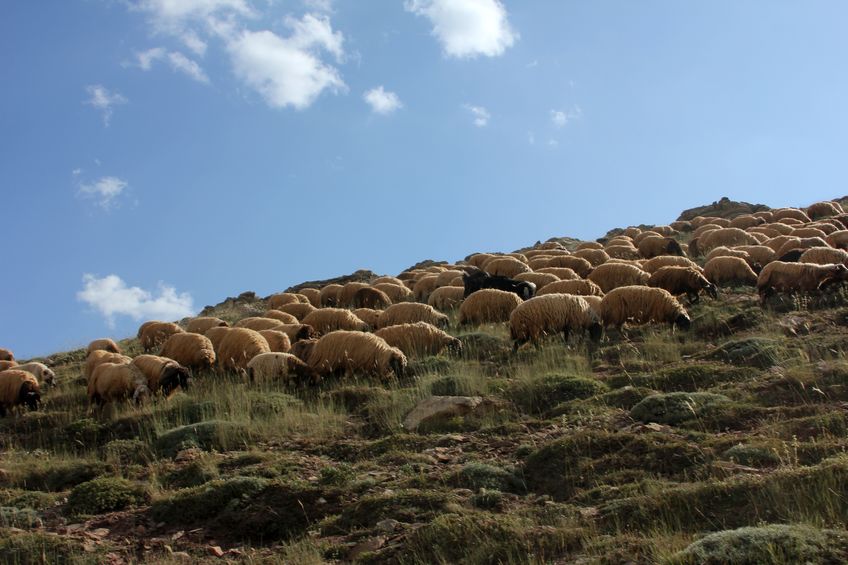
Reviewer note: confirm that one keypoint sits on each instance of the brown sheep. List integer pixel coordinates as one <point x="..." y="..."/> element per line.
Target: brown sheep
<point x="423" y="287"/>
<point x="539" y="279"/>
<point x="746" y="221"/>
<point x="396" y="293"/>
<point x="327" y="320"/>
<point x="276" y="300"/>
<point x="6" y="355"/>
<point x="612" y="275"/>
<point x="488" y="305"/>
<point x="387" y="280"/>
<point x="43" y="373"/>
<point x="577" y="264"/>
<point x="778" y="276"/>
<point x="723" y="271"/>
<point x="622" y="252"/>
<point x="683" y="280"/>
<point x="153" y="334"/>
<point x="808" y="231"/>
<point x="652" y="265"/>
<point x="347" y="293"/>
<point x="282" y="317"/>
<point x="505" y="266"/>
<point x="18" y="388"/>
<point x="588" y="245"/>
<point x="299" y="311"/>
<point x="801" y="243"/>
<point x="279" y="366"/>
<point x="760" y="254"/>
<point x="355" y="352"/>
<point x="329" y="294"/>
<point x="782" y="214"/>
<point x="103" y="344"/>
<point x="838" y="239"/>
<point x="824" y="210"/>
<point x="727" y="237"/>
<point x="313" y="295"/>
<point x="654" y="246"/>
<point x="594" y="256"/>
<point x="445" y="298"/>
<point x="7" y="365"/>
<point x="98" y="358"/>
<point x="297" y="332"/>
<point x="642" y="305"/>
<point x="369" y="315"/>
<point x="578" y="287"/>
<point x="215" y="335"/>
<point x="162" y="373"/>
<point x="824" y="256"/>
<point x="419" y="339"/>
<point x="112" y="382"/>
<point x="550" y="314"/>
<point x="191" y="350"/>
<point x="258" y="324"/>
<point x="278" y="341"/>
<point x="411" y="312"/>
<point x="563" y="273"/>
<point x="369" y="297"/>
<point x="201" y="324"/>
<point x="238" y="346"/>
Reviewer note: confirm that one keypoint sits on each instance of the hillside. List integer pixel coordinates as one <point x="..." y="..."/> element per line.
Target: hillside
<point x="721" y="443"/>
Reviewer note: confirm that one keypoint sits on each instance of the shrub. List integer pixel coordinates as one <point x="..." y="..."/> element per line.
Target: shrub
<point x="751" y="352"/>
<point x="192" y="505"/>
<point x="62" y="476"/>
<point x="209" y="435"/>
<point x="752" y="456"/>
<point x="689" y="377"/>
<point x="675" y="407"/>
<point x="409" y="505"/>
<point x="106" y="494"/>
<point x="195" y="473"/>
<point x="542" y="393"/>
<point x="33" y="548"/>
<point x="477" y="476"/>
<point x="125" y="452"/>
<point x="26" y="518"/>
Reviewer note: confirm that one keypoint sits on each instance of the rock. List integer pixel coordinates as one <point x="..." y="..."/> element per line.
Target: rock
<point x="216" y="551"/>
<point x="368" y="545"/>
<point x="440" y="407"/>
<point x="388" y="525"/>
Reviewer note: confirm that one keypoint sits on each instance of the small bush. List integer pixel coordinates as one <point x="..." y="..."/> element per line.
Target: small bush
<point x="125" y="452"/>
<point x="477" y="476"/>
<point x="479" y="346"/>
<point x="691" y="377"/>
<point x="337" y="475"/>
<point x="540" y="394"/>
<point x="106" y="494"/>
<point x="86" y="432"/>
<point x="36" y="548"/>
<point x="405" y="506"/>
<point x="195" y="473"/>
<point x="11" y="517"/>
<point x="354" y="399"/>
<point x="210" y="435"/>
<point x="752" y="456"/>
<point x="62" y="476"/>
<point x="675" y="407"/>
<point x="625" y="397"/>
<point x="34" y="499"/>
<point x="192" y="505"/>
<point x="488" y="500"/>
<point x="750" y="352"/>
<point x="267" y="403"/>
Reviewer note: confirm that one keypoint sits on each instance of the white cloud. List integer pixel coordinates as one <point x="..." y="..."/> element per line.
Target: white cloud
<point x="173" y="15"/>
<point x="111" y="297"/>
<point x="103" y="100"/>
<point x="320" y="5"/>
<point x="195" y="44"/>
<point x="481" y="115"/>
<point x="76" y="172"/>
<point x="381" y="101"/>
<point x="104" y="191"/>
<point x="561" y="118"/>
<point x="288" y="71"/>
<point x="178" y="62"/>
<point x="467" y="28"/>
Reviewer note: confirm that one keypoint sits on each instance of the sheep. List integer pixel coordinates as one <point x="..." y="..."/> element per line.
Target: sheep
<point x="681" y="225"/>
<point x="423" y="287"/>
<point x="505" y="267"/>
<point x="746" y="221"/>
<point x="631" y="232"/>
<point x="347" y="293"/>
<point x="313" y="295"/>
<point x="327" y="320"/>
<point x="552" y="313"/>
<point x="298" y="310"/>
<point x="727" y="237"/>
<point x="594" y="256"/>
<point x="704" y="229"/>
<point x="278" y="341"/>
<point x="579" y="265"/>
<point x="446" y="298"/>
<point x="279" y="366"/>
<point x="824" y="210"/>
<point x="824" y="256"/>
<point x="539" y="279"/>
<point x="652" y="265"/>
<point x="612" y="275"/>
<point x="683" y="280"/>
<point x="97" y="358"/>
<point x="562" y="273"/>
<point x="723" y="251"/>
<point x="276" y="300"/>
<point x="766" y="231"/>
<point x="781" y="214"/>
<point x="759" y="254"/>
<point x="355" y="352"/>
<point x="588" y="245"/>
<point x="642" y="305"/>
<point x="111" y="382"/>
<point x="487" y="306"/>
<point x="764" y="214"/>
<point x="42" y="372"/>
<point x="303" y="348"/>
<point x="162" y="373"/>
<point x="280" y="316"/>
<point x="215" y="335"/>
<point x="410" y="312"/>
<point x="370" y="297"/>
<point x="154" y="334"/>
<point x="103" y="344"/>
<point x="370" y="316"/>
<point x="594" y="303"/>
<point x="727" y="270"/>
<point x="396" y="293"/>
<point x="201" y="324"/>
<point x="801" y="243"/>
<point x="838" y="239"/>
<point x="191" y="350"/>
<point x="827" y="226"/>
<point x="18" y="388"/>
<point x="7" y="365"/>
<point x="619" y="240"/>
<point x="551" y="245"/>
<point x="791" y="256"/>
<point x="776" y="243"/>
<point x="419" y="339"/>
<point x="779" y="276"/>
<point x="479" y="280"/>
<point x="258" y="324"/>
<point x="297" y="332"/>
<point x="653" y="246"/>
<point x="808" y="231"/>
<point x="388" y="280"/>
<point x="478" y="259"/>
<point x="446" y="277"/>
<point x="6" y="355"/>
<point x="622" y="252"/>
<point x="578" y="287"/>
<point x="329" y="294"/>
<point x="783" y="229"/>
<point x="238" y="346"/>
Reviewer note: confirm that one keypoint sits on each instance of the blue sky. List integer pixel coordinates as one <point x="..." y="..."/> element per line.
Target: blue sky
<point x="160" y="155"/>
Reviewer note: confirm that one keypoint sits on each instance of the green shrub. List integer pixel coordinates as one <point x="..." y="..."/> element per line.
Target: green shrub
<point x="690" y="377"/>
<point x="125" y="452"/>
<point x="194" y="473"/>
<point x="62" y="476"/>
<point x="487" y="499"/>
<point x="479" y="346"/>
<point x="35" y="548"/>
<point x="477" y="476"/>
<point x="192" y="505"/>
<point x="539" y="394"/>
<point x="338" y="475"/>
<point x="268" y="403"/>
<point x="625" y="397"/>
<point x="750" y="352"/>
<point x="210" y="435"/>
<point x="409" y="505"/>
<point x="354" y="399"/>
<point x="675" y="407"/>
<point x="26" y="518"/>
<point x="752" y="456"/>
<point x="106" y="494"/>
<point x="34" y="499"/>
<point x="86" y="432"/>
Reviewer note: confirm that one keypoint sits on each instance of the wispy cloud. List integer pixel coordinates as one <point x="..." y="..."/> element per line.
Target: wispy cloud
<point x="111" y="297"/>
<point x="467" y="28"/>
<point x="382" y="101"/>
<point x="480" y="114"/>
<point x="104" y="191"/>
<point x="104" y="100"/>
<point x="561" y="118"/>
<point x="177" y="61"/>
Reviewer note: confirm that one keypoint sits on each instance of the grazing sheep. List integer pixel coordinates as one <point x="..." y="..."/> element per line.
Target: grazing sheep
<point x="779" y="276"/>
<point x="824" y="256"/>
<point x="278" y="341"/>
<point x="18" y="388"/>
<point x="103" y="344"/>
<point x="329" y="294"/>
<point x="759" y="254"/>
<point x="827" y="226"/>
<point x="369" y="315"/>
<point x="6" y="355"/>
<point x="42" y="372"/>
<point x="7" y="365"/>
<point x="808" y="231"/>
<point x="637" y="239"/>
<point x="258" y="324"/>
<point x="642" y="305"/>
<point x="765" y="231"/>
<point x="479" y="280"/>
<point x="297" y="332"/>
<point x="356" y="352"/>
<point x="505" y="267"/>
<point x="549" y="245"/>
<point x="276" y="300"/>
<point x="782" y="214"/>
<point x="303" y="348"/>
<point x="369" y="297"/>
<point x="195" y="351"/>
<point x="327" y="320"/>
<point x="201" y="324"/>
<point x="776" y="243"/>
<point x="446" y="277"/>
<point x="578" y="287"/>
<point x="654" y="246"/>
<point x="117" y="381"/>
<point x="549" y="314"/>
<point x="162" y="373"/>
<point x="387" y="280"/>
<point x="746" y="221"/>
<point x="299" y="311"/>
<point x="539" y="279"/>
<point x="595" y="256"/>
<point x="215" y="335"/>
<point x="488" y="306"/>
<point x="238" y="346"/>
<point x="681" y="225"/>
<point x="652" y="265"/>
<point x="728" y="237"/>
<point x="594" y="303"/>
<point x="97" y="358"/>
<point x="838" y="239"/>
<point x="577" y="264"/>
<point x="423" y="287"/>
<point x="279" y="367"/>
<point x="411" y="312"/>
<point x="419" y="339"/>
<point x="683" y="280"/>
<point x="622" y="252"/>
<point x="313" y="295"/>
<point x="727" y="270"/>
<point x="153" y="334"/>
<point x="281" y="316"/>
<point x="588" y="245"/>
<point x="347" y="293"/>
<point x="446" y="298"/>
<point x="562" y="273"/>
<point x="396" y="293"/>
<point x="801" y="243"/>
<point x="613" y="275"/>
<point x="791" y="256"/>
<point x="723" y="251"/>
<point x="479" y="259"/>
<point x="824" y="210"/>
<point x="539" y="261"/>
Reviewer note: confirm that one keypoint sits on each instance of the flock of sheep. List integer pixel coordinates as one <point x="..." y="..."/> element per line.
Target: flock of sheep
<point x="635" y="277"/>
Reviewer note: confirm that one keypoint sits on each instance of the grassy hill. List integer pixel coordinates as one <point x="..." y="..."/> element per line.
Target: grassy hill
<point x="725" y="443"/>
